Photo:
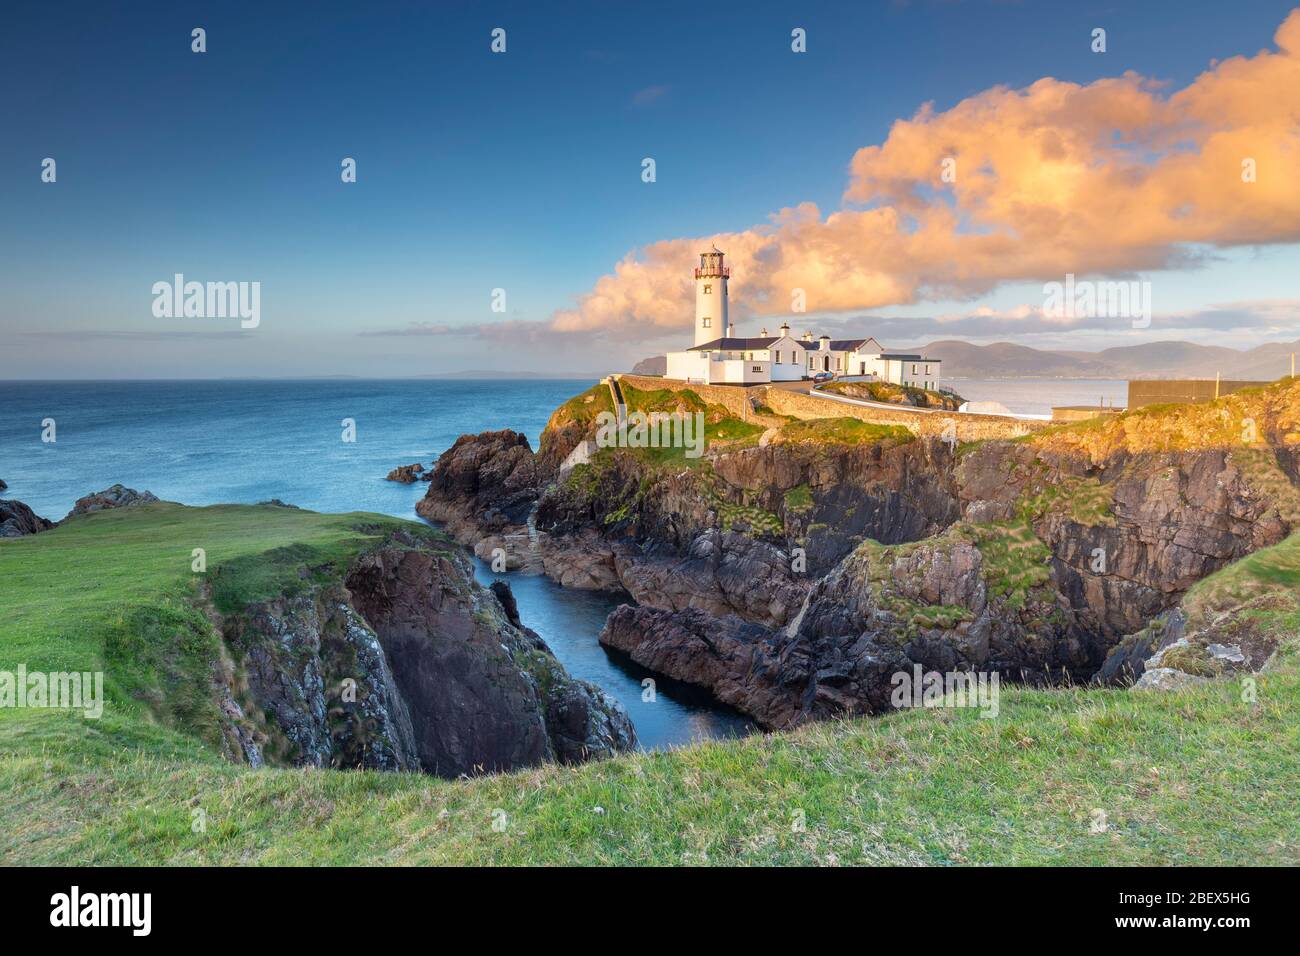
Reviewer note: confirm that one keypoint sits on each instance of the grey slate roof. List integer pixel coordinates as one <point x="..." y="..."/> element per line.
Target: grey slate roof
<point x="719" y="344"/>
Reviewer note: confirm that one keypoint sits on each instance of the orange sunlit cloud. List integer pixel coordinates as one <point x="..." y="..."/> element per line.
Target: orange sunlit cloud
<point x="1115" y="176"/>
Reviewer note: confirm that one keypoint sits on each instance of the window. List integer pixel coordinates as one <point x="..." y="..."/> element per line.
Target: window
<point x="913" y="368"/>
<point x="707" y="288"/>
<point x="707" y="322"/>
<point x="756" y="368"/>
<point x="837" y="364"/>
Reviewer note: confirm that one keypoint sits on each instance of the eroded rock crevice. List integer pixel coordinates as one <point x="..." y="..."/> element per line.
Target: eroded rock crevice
<point x="406" y="663"/>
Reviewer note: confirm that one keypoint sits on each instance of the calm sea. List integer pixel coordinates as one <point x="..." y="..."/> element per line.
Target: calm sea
<point x="246" y="441"/>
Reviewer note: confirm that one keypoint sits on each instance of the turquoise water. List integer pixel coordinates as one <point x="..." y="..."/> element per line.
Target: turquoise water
<point x="246" y="441"/>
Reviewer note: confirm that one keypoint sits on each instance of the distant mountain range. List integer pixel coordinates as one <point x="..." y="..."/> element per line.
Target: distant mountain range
<point x="1151" y="360"/>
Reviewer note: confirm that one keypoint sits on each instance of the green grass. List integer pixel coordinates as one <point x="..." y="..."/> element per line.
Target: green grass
<point x="1271" y="570"/>
<point x="1016" y="561"/>
<point x="1196" y="776"/>
<point x="799" y="498"/>
<point x="1085" y="500"/>
<point x="841" y="431"/>
<point x="1192" y="777"/>
<point x="905" y="395"/>
<point x="115" y="591"/>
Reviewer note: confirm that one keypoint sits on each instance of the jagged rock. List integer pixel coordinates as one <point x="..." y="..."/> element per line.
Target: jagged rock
<point x="1126" y="661"/>
<point x="723" y="573"/>
<point x="277" y="503"/>
<point x="741" y="664"/>
<point x="298" y="655"/>
<point x="3" y="486"/>
<point x="1166" y="678"/>
<point x="483" y="694"/>
<point x="508" y="603"/>
<point x="1095" y="534"/>
<point x="406" y="474"/>
<point x="584" y="722"/>
<point x="117" y="496"/>
<point x="409" y="664"/>
<point x="16" y="520"/>
<point x="1216" y="641"/>
<point x="482" y="484"/>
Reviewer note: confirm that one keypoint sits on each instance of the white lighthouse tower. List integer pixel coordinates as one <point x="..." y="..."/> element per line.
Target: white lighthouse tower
<point x="711" y="297"/>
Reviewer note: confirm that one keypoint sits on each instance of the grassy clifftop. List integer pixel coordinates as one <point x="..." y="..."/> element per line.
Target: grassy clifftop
<point x="1066" y="776"/>
<point x="116" y="591"/>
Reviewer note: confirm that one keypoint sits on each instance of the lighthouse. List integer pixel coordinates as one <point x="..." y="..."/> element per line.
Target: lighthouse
<point x="711" y="297"/>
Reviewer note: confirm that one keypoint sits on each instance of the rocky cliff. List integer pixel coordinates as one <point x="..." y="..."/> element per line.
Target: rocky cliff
<point x="403" y="662"/>
<point x="792" y="571"/>
<point x="17" y="520"/>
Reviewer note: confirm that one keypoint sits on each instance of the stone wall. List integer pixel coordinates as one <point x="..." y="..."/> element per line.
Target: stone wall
<point x="734" y="397"/>
<point x="967" y="427"/>
<point x="1162" y="391"/>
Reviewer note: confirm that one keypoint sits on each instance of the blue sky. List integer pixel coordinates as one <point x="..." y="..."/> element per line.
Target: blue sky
<point x="479" y="171"/>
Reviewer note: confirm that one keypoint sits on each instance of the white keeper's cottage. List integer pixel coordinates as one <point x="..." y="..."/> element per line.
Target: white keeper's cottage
<point x="720" y="357"/>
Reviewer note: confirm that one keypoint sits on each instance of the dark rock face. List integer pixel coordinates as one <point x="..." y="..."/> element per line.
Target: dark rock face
<point x="117" y="496"/>
<point x="408" y="664"/>
<point x="742" y="664"/>
<point x="722" y="573"/>
<point x="319" y="676"/>
<point x="16" y="520"/>
<point x="483" y="694"/>
<point x="889" y="493"/>
<point x="482" y="484"/>
<point x="473" y="708"/>
<point x="1175" y="518"/>
<point x="1126" y="661"/>
<point x="867" y="620"/>
<point x="1037" y="560"/>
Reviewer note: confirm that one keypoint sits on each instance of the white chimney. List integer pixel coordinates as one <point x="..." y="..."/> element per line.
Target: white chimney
<point x="763" y="332"/>
<point x="825" y="343"/>
<point x="807" y="336"/>
<point x="731" y="331"/>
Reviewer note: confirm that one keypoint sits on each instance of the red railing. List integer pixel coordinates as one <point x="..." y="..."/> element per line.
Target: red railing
<point x="724" y="273"/>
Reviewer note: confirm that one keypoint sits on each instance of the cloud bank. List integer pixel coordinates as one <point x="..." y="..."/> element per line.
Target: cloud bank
<point x="1106" y="178"/>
